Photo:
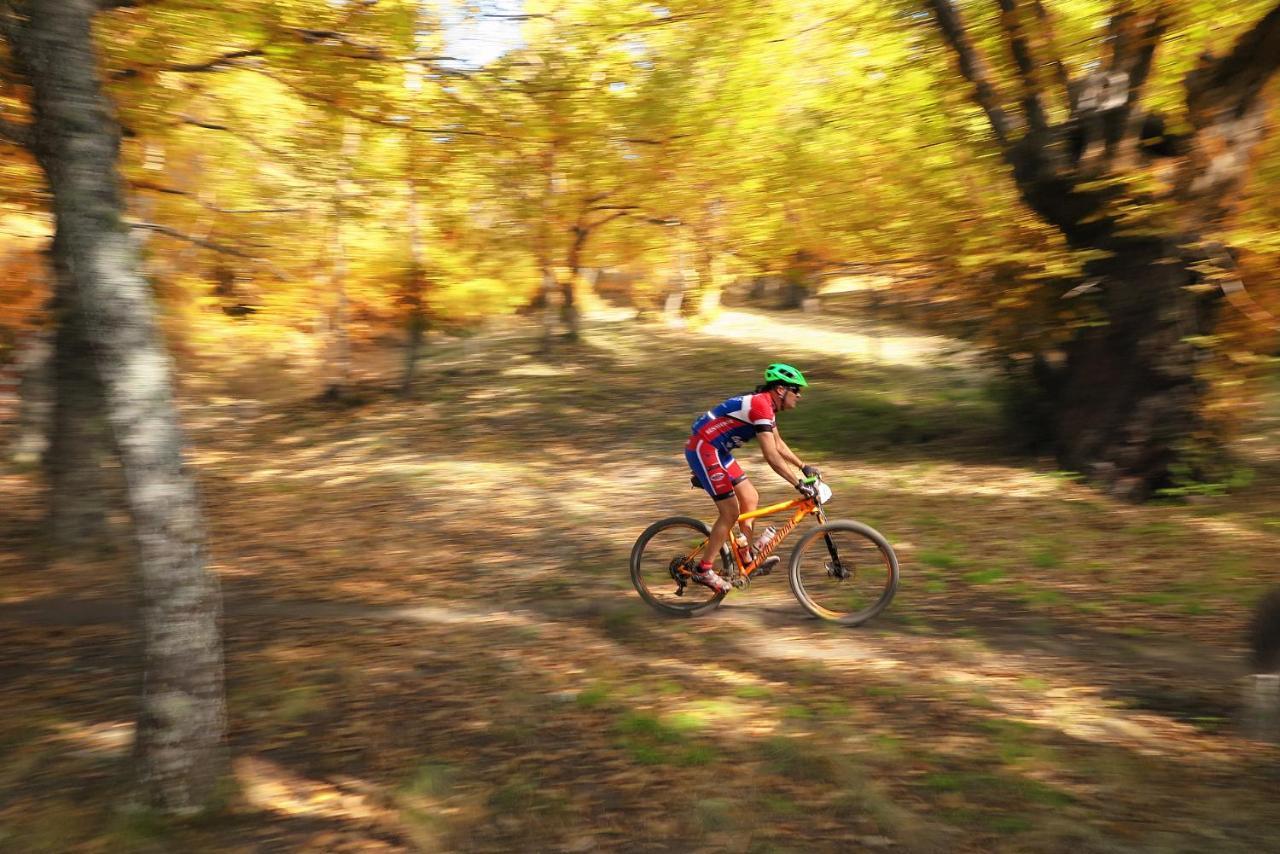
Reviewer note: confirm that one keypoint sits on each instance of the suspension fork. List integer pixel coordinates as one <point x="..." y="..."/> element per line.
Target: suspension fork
<point x="838" y="569"/>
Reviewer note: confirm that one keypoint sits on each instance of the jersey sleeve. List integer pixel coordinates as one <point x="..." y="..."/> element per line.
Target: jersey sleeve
<point x="761" y="413"/>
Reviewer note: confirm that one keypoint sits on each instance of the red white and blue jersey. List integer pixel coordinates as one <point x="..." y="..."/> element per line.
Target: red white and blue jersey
<point x="734" y="422"/>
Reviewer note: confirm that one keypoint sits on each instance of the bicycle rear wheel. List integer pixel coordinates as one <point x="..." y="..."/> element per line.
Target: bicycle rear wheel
<point x="845" y="572"/>
<point x="659" y="567"/>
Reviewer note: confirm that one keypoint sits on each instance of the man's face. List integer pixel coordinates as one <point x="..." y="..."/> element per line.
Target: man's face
<point x="790" y="397"/>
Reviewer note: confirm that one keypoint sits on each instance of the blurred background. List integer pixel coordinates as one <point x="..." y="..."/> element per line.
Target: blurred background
<point x="439" y="287"/>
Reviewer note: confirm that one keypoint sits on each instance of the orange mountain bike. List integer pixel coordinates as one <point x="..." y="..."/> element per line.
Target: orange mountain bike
<point x="842" y="571"/>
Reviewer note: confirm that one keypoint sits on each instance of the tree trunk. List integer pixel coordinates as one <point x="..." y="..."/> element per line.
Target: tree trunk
<point x="550" y="294"/>
<point x="1131" y="390"/>
<point x="78" y="443"/>
<point x="339" y="343"/>
<point x="570" y="316"/>
<point x="415" y="315"/>
<point x="179" y="743"/>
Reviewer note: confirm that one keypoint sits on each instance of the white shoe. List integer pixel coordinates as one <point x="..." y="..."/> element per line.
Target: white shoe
<point x="708" y="578"/>
<point x="769" y="563"/>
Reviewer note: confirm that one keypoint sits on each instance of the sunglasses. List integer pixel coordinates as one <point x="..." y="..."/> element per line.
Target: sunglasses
<point x="796" y="390"/>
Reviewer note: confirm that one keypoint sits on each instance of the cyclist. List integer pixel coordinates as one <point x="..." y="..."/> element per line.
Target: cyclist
<point x="717" y="432"/>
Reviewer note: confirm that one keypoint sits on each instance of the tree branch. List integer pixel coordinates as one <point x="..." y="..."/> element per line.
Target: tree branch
<point x="1137" y="67"/>
<point x="974" y="68"/>
<point x="1032" y="103"/>
<point x="1059" y="70"/>
<point x="174" y="191"/>
<point x="363" y="50"/>
<point x="1234" y="82"/>
<point x="243" y="137"/>
<point x="329" y="102"/>
<point x="188" y="238"/>
<point x="215" y="63"/>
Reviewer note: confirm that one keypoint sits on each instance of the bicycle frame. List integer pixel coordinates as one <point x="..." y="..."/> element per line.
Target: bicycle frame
<point x="801" y="506"/>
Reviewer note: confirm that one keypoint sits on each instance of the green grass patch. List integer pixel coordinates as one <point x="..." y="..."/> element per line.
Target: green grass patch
<point x="1013" y="740"/>
<point x="651" y="740"/>
<point x="797" y="760"/>
<point x="837" y="710"/>
<point x="752" y="692"/>
<point x="1005" y="790"/>
<point x="137" y="828"/>
<point x="1009" y="824"/>
<point x="432" y="779"/>
<point x="984" y="576"/>
<point x="300" y="702"/>
<point x="1045" y="598"/>
<point x="780" y="805"/>
<point x="1047" y="554"/>
<point x="715" y="814"/>
<point x="938" y="558"/>
<point x="592" y="696"/>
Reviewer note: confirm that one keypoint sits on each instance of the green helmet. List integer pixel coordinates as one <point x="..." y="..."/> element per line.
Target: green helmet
<point x="780" y="373"/>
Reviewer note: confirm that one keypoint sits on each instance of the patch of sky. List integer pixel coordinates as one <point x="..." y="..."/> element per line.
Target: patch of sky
<point x="477" y="33"/>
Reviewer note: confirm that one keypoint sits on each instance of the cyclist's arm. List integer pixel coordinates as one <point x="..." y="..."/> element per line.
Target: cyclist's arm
<point x="788" y="454"/>
<point x="772" y="446"/>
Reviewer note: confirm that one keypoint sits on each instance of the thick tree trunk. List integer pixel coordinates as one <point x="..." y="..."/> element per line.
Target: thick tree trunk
<point x="179" y="745"/>
<point x="1130" y="395"/>
<point x="78" y="444"/>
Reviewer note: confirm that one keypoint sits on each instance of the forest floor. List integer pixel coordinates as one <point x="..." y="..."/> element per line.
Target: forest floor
<point x="432" y="642"/>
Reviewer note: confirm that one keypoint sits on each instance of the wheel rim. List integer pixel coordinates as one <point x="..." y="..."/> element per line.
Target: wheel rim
<point x="653" y="570"/>
<point x="867" y="571"/>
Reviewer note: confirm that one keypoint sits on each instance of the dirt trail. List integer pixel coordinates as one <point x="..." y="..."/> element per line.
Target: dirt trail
<point x="429" y="620"/>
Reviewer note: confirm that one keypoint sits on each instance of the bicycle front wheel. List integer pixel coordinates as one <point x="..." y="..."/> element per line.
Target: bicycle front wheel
<point x="659" y="567"/>
<point x="845" y="572"/>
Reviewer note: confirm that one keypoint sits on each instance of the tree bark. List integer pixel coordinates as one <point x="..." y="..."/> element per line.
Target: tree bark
<point x="35" y="398"/>
<point x="78" y="443"/>
<point x="1131" y="394"/>
<point x="181" y="725"/>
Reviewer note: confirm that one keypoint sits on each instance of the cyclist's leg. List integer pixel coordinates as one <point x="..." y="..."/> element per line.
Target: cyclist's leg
<point x="705" y="461"/>
<point x="748" y="500"/>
